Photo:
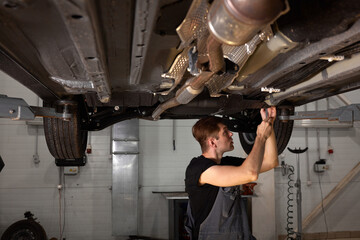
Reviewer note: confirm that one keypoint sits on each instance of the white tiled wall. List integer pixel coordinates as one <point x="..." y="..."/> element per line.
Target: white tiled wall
<point x="25" y="185"/>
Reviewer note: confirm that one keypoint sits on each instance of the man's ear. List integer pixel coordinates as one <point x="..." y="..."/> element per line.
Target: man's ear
<point x="211" y="142"/>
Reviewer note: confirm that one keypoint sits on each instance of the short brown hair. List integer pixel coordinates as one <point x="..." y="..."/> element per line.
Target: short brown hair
<point x="205" y="128"/>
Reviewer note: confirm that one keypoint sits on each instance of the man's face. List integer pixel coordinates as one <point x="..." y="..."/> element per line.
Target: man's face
<point x="225" y="142"/>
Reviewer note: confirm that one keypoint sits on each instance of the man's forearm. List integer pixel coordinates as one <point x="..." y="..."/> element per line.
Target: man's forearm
<point x="270" y="154"/>
<point x="255" y="159"/>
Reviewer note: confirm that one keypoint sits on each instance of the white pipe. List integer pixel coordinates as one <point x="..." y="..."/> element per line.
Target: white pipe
<point x="328" y="130"/>
<point x="308" y="181"/>
<point x="36" y="158"/>
<point x="173" y="135"/>
<point x="317" y="134"/>
<point x="37" y="131"/>
<point x="89" y="138"/>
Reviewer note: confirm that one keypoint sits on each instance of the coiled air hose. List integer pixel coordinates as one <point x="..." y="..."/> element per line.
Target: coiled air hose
<point x="290" y="206"/>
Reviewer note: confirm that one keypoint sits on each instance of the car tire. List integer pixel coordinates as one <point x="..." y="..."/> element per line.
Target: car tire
<point x="282" y="129"/>
<point x="24" y="229"/>
<point x="65" y="139"/>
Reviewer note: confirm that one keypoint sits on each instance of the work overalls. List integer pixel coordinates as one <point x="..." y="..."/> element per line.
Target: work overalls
<point x="227" y="218"/>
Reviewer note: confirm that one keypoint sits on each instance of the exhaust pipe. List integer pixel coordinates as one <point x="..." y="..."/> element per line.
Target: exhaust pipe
<point x="185" y="94"/>
<point x="215" y="54"/>
<point x="235" y="22"/>
<point x="195" y="86"/>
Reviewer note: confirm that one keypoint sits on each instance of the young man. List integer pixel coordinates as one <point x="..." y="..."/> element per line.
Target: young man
<point x="212" y="181"/>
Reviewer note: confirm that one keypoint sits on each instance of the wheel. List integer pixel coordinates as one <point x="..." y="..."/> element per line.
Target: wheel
<point x="65" y="139"/>
<point x="247" y="141"/>
<point x="282" y="129"/>
<point x="283" y="132"/>
<point x="25" y="230"/>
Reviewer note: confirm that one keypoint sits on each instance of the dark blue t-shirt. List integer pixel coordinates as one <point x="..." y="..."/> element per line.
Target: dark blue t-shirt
<point x="202" y="198"/>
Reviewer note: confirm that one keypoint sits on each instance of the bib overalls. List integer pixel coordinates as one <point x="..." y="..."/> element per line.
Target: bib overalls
<point x="227" y="218"/>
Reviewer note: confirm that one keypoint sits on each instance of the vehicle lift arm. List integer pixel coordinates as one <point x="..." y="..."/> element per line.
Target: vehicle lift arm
<point x="18" y="109"/>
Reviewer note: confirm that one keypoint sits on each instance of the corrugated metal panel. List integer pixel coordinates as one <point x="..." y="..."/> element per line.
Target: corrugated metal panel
<point x="125" y="175"/>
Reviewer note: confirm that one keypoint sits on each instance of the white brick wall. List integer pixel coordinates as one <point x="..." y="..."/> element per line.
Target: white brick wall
<point x="28" y="186"/>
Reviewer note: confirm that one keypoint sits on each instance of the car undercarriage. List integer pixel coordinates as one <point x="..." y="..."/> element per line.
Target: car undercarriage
<point x="108" y="61"/>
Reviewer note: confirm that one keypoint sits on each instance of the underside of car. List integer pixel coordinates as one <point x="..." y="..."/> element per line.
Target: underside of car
<point x="108" y="61"/>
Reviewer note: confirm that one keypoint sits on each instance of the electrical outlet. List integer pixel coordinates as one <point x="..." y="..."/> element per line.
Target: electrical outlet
<point x="330" y="150"/>
<point x="71" y="170"/>
<point x="88" y="149"/>
<point x="320" y="166"/>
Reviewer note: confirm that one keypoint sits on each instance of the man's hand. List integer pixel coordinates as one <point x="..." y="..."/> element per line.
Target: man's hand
<point x="270" y="155"/>
<point x="268" y="115"/>
<point x="265" y="128"/>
